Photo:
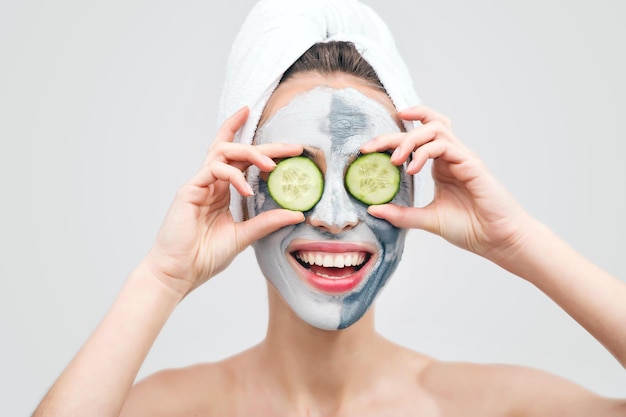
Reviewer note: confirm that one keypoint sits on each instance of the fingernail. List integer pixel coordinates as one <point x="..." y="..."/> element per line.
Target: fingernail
<point x="248" y="189"/>
<point x="396" y="154"/>
<point x="372" y="210"/>
<point x="269" y="161"/>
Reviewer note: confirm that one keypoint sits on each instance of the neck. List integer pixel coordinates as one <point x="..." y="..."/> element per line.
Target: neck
<point x="307" y="365"/>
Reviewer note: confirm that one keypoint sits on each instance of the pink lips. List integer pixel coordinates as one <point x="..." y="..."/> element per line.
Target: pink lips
<point x="331" y="267"/>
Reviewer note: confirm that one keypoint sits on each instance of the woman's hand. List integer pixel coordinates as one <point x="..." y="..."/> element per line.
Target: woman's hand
<point x="470" y="209"/>
<point x="199" y="237"/>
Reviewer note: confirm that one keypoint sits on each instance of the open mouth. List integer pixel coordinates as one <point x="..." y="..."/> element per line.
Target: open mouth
<point x="332" y="268"/>
<point x="332" y="265"/>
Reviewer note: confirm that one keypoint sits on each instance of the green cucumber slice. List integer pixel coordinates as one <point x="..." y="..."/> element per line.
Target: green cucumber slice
<point x="373" y="179"/>
<point x="296" y="183"/>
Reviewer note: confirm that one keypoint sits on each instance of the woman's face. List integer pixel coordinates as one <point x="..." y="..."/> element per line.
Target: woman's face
<point x="329" y="268"/>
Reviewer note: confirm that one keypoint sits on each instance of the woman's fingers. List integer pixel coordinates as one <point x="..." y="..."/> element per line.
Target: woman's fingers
<point x="425" y="115"/>
<point x="209" y="174"/>
<point x="422" y="144"/>
<point x="407" y="217"/>
<point x="238" y="155"/>
<point x="223" y="149"/>
<point x="231" y="125"/>
<point x="445" y="151"/>
<point x="226" y="161"/>
<point x="405" y="143"/>
<point x="265" y="223"/>
<point x="260" y="155"/>
<point x="280" y="150"/>
<point x="434" y="126"/>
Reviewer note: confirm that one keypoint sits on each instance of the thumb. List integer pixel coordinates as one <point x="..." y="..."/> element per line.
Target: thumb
<point x="265" y="223"/>
<point x="407" y="217"/>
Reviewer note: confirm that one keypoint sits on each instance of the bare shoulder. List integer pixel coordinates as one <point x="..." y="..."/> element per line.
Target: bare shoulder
<point x="198" y="390"/>
<point x="511" y="390"/>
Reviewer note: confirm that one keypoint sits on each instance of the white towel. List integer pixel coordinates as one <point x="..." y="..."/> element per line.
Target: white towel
<point x="276" y="33"/>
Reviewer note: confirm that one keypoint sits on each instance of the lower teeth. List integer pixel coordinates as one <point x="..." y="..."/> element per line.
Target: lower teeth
<point x="332" y="276"/>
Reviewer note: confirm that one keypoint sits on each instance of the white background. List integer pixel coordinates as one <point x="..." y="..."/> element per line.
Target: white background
<point x="106" y="108"/>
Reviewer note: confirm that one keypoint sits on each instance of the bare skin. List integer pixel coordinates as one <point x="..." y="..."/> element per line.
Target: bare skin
<point x="326" y="374"/>
<point x="300" y="370"/>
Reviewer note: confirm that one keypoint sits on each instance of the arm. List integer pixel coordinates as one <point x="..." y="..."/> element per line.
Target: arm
<point x="197" y="240"/>
<point x="472" y="210"/>
<point x="99" y="377"/>
<point x="594" y="298"/>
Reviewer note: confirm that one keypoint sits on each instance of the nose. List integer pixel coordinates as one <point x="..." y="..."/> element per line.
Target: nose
<point x="335" y="212"/>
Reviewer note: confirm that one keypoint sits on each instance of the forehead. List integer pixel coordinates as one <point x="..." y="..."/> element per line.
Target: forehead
<point x="325" y="116"/>
<point x="301" y="82"/>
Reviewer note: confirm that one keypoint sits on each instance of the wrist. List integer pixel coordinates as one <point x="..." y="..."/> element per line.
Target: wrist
<point x="153" y="275"/>
<point x="520" y="249"/>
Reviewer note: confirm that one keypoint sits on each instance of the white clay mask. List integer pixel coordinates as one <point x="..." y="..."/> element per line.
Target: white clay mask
<point x="330" y="268"/>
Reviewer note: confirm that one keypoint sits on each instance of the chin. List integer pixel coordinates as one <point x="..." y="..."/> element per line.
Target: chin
<point x="329" y="284"/>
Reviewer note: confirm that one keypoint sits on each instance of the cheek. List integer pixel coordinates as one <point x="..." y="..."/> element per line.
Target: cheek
<point x="386" y="234"/>
<point x="405" y="193"/>
<point x="270" y="254"/>
<point x="261" y="200"/>
<point x="268" y="248"/>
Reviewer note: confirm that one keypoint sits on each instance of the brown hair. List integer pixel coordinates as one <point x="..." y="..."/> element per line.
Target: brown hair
<point x="332" y="57"/>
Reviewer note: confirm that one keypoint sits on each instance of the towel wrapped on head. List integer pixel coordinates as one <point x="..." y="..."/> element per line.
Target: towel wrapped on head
<point x="276" y="33"/>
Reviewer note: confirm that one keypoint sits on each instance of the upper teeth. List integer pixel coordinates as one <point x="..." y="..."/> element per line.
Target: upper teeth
<point x="331" y="260"/>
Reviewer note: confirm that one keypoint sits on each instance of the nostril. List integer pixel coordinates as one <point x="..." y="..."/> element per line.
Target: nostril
<point x="332" y="227"/>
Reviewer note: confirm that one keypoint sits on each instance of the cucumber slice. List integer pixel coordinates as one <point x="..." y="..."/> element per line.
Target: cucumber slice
<point x="296" y="183"/>
<point x="373" y="179"/>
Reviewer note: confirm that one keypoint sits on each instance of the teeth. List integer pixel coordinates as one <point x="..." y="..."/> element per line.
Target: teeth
<point x="332" y="260"/>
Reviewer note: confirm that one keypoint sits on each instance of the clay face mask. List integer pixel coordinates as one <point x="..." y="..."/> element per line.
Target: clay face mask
<point x="330" y="268"/>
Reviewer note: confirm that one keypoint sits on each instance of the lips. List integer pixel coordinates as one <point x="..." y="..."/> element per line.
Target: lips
<point x="331" y="267"/>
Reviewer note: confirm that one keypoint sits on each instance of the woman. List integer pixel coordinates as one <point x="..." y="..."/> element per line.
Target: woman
<point x="332" y="111"/>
